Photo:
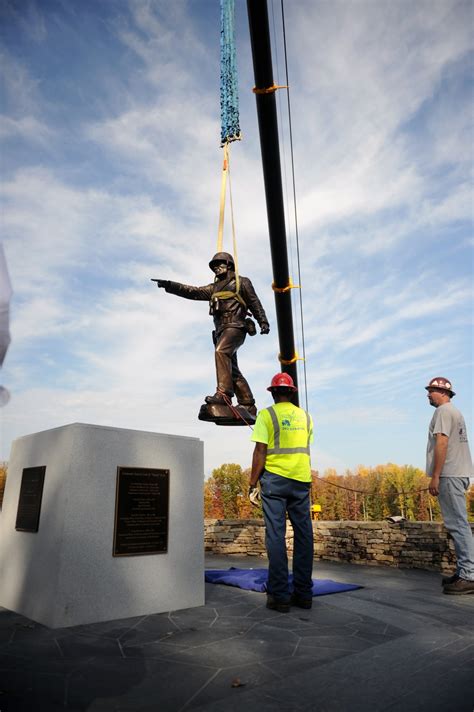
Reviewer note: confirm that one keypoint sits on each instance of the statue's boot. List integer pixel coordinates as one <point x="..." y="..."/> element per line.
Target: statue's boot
<point x="242" y="391"/>
<point x="218" y="398"/>
<point x="249" y="407"/>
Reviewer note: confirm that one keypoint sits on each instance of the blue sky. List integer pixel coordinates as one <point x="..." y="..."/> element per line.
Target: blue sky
<point x="110" y="132"/>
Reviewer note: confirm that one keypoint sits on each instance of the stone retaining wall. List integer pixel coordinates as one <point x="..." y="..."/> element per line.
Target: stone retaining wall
<point x="421" y="545"/>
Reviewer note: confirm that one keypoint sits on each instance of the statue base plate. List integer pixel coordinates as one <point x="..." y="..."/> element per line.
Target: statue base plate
<point x="221" y="414"/>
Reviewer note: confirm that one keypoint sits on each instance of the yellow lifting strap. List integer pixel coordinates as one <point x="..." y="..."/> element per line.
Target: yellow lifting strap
<point x="220" y="233"/>
<point x="290" y="285"/>
<point x="225" y="164"/>
<point x="229" y="295"/>
<point x="270" y="90"/>
<point x="292" y="360"/>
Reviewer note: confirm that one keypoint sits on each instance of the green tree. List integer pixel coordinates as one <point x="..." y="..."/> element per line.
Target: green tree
<point x="376" y="494"/>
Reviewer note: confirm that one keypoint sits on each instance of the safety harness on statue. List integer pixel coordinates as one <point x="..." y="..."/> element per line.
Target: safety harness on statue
<point x="224" y="293"/>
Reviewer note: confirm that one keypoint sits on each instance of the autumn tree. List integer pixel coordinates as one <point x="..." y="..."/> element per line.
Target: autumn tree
<point x="3" y="479"/>
<point x="376" y="493"/>
<point x="331" y="497"/>
<point x="226" y="493"/>
<point x="367" y="493"/>
<point x="470" y="503"/>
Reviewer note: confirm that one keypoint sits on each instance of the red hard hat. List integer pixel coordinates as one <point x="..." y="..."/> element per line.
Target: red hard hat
<point x="282" y="380"/>
<point x="442" y="383"/>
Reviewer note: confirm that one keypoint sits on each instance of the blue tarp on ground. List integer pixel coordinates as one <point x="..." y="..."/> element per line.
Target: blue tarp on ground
<point x="256" y="580"/>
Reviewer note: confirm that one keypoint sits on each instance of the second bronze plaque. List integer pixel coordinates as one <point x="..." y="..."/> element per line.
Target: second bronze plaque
<point x="141" y="511"/>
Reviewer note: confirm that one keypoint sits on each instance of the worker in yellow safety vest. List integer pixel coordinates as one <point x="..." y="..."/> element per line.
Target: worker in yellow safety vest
<point x="281" y="465"/>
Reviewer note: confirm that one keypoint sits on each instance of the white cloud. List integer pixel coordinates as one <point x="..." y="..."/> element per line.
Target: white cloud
<point x="361" y="77"/>
<point x="368" y="416"/>
<point x="416" y="353"/>
<point x="26" y="127"/>
<point x="452" y="296"/>
<point x="381" y="159"/>
<point x="22" y="90"/>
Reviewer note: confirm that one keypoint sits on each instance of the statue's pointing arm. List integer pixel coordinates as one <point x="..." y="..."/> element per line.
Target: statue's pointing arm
<point x="254" y="305"/>
<point x="185" y="290"/>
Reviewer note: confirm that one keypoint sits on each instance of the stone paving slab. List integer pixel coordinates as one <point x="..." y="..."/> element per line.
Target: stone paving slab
<point x="397" y="644"/>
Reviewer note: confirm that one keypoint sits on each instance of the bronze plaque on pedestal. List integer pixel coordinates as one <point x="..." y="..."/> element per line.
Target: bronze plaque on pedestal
<point x="29" y="503"/>
<point x="141" y="511"/>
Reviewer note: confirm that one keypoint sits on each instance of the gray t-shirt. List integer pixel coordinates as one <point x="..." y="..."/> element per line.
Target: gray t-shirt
<point x="448" y="420"/>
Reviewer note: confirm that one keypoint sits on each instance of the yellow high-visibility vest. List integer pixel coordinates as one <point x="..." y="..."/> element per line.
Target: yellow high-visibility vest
<point x="290" y="431"/>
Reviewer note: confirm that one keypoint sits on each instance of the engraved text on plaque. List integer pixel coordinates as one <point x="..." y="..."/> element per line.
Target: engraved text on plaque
<point x="141" y="511"/>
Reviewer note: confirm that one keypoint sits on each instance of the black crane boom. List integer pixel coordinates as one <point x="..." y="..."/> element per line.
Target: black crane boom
<point x="270" y="147"/>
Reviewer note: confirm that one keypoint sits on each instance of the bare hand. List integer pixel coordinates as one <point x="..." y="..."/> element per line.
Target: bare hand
<point x="434" y="486"/>
<point x="162" y="283"/>
<point x="265" y="329"/>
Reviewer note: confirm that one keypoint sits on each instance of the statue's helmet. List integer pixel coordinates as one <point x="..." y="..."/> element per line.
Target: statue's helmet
<point x="222" y="257"/>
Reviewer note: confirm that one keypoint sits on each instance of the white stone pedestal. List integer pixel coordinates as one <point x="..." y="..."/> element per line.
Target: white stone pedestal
<point x="65" y="573"/>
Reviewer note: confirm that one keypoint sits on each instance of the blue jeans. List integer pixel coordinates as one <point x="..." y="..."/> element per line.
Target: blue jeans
<point x="452" y="501"/>
<point x="281" y="495"/>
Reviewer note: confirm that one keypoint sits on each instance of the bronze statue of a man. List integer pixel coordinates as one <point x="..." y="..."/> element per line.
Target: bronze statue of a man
<point x="229" y="310"/>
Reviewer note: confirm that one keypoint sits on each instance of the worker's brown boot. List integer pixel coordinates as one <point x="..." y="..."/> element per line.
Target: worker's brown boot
<point x="449" y="579"/>
<point x="300" y="602"/>
<point x="459" y="587"/>
<point x="275" y="604"/>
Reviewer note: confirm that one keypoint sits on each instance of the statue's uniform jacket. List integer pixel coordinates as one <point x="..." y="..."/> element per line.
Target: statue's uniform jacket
<point x="230" y="328"/>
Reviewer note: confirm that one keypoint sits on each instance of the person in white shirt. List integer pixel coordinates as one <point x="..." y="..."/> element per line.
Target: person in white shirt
<point x="449" y="464"/>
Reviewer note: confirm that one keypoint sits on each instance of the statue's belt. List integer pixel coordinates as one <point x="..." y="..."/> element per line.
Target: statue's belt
<point x="230" y="318"/>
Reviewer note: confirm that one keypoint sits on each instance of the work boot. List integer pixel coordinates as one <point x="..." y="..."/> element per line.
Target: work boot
<point x="300" y="602"/>
<point x="449" y="579"/>
<point x="218" y="397"/>
<point x="276" y="604"/>
<point x="459" y="587"/>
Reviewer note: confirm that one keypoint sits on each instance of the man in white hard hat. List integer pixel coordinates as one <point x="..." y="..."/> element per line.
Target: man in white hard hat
<point x="449" y="464"/>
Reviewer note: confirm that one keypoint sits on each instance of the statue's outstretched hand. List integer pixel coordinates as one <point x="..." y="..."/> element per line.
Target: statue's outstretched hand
<point x="265" y="329"/>
<point x="162" y="283"/>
